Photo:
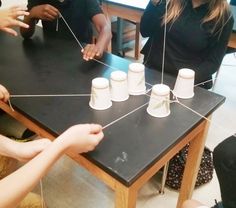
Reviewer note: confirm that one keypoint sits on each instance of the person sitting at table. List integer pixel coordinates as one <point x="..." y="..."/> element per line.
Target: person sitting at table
<point x="78" y="15"/>
<point x="224" y="159"/>
<point x="8" y="19"/>
<point x="77" y="139"/>
<point x="197" y="35"/>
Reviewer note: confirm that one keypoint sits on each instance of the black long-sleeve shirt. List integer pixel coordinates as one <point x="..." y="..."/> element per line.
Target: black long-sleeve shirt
<point x="189" y="43"/>
<point x="77" y="13"/>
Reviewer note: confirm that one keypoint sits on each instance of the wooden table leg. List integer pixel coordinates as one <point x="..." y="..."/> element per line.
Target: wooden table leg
<point x="196" y="148"/>
<point x="125" y="197"/>
<point x="137" y="41"/>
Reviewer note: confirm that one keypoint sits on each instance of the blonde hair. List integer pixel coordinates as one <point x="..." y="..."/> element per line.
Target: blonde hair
<point x="217" y="12"/>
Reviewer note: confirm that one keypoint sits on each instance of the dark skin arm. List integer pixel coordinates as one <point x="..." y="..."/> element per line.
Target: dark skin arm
<point x="49" y="13"/>
<point x="44" y="12"/>
<point x="103" y="27"/>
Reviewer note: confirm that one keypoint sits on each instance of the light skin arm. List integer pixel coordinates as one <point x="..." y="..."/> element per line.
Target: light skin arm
<point x="192" y="204"/>
<point x="8" y="19"/>
<point x="22" y="151"/>
<point x="45" y="12"/>
<point x="103" y="28"/>
<point x="4" y="94"/>
<point x="77" y="139"/>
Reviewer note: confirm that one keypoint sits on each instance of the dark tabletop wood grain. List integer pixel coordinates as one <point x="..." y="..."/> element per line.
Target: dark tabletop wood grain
<point x="47" y="66"/>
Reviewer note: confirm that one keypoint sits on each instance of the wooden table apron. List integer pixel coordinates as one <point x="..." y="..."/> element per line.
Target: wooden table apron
<point x="134" y="148"/>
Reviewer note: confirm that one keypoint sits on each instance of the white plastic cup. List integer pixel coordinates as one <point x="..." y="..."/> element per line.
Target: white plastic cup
<point x="184" y="85"/>
<point x="100" y="94"/>
<point x="119" y="86"/>
<point x="136" y="79"/>
<point x="159" y="104"/>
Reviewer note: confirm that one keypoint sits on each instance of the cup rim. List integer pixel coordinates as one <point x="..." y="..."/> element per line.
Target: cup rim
<point x="153" y="114"/>
<point x="140" y="67"/>
<point x="190" y="75"/>
<point x="102" y="108"/>
<point x="103" y="85"/>
<point x="123" y="76"/>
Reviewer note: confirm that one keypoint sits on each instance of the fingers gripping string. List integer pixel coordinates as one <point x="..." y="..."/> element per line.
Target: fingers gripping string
<point x="109" y="66"/>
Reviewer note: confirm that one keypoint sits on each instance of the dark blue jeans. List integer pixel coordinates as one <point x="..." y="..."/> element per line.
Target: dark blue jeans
<point x="224" y="158"/>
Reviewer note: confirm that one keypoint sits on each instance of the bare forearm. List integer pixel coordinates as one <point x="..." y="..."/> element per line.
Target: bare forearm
<point x="6" y="146"/>
<point x="104" y="37"/>
<point x="76" y="139"/>
<point x="24" y="179"/>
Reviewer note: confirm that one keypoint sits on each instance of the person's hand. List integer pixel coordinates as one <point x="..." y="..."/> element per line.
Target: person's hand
<point x="81" y="138"/>
<point x="4" y="94"/>
<point x="44" y="12"/>
<point x="91" y="51"/>
<point x="8" y="19"/>
<point x="25" y="151"/>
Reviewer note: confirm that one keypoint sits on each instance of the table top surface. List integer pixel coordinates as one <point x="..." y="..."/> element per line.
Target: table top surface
<point x="131" y="145"/>
<point x="135" y="4"/>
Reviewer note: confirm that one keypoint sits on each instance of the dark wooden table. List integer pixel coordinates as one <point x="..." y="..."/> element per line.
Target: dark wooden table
<point x="134" y="148"/>
<point x="232" y="40"/>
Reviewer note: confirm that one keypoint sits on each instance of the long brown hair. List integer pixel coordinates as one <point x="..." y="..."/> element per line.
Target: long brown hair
<point x="217" y="11"/>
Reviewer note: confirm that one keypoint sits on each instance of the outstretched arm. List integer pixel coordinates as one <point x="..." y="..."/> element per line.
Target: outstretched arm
<point x="20" y="150"/>
<point x="77" y="139"/>
<point x="8" y="19"/>
<point x="103" y="27"/>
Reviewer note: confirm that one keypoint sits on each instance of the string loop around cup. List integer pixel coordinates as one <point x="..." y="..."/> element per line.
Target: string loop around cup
<point x="159" y="104"/>
<point x="119" y="86"/>
<point x="100" y="94"/>
<point x="136" y="79"/>
<point x="184" y="85"/>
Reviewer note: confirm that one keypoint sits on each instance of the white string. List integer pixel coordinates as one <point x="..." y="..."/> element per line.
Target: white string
<point x="57" y="24"/>
<point x="164" y="46"/>
<point x="71" y="31"/>
<point x="207" y="119"/>
<point x="162" y="75"/>
<point x="55" y="95"/>
<point x="9" y="101"/>
<point x="210" y="80"/>
<point x="41" y="192"/>
<point x="195" y="112"/>
<point x="104" y="127"/>
<point x="109" y="66"/>
<point x="114" y="68"/>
